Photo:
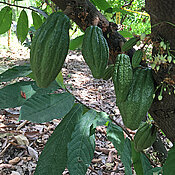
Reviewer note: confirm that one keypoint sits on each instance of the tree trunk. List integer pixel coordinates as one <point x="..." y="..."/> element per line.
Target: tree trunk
<point x="162" y="20"/>
<point x="84" y="14"/>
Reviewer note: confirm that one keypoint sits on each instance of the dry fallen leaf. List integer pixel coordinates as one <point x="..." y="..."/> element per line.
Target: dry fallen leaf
<point x="22" y="140"/>
<point x="14" y="161"/>
<point x="33" y="153"/>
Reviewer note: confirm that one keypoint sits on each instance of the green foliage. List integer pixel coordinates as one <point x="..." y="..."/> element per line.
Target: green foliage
<point x="76" y="42"/>
<point x="16" y="71"/>
<point x="5" y="19"/>
<point x="82" y="146"/>
<point x="22" y="26"/>
<point x="53" y="159"/>
<point x="168" y="168"/>
<point x="137" y="57"/>
<point x="10" y="96"/>
<point x="37" y="21"/>
<point x="43" y="108"/>
<point x="101" y="4"/>
<point x="123" y="146"/>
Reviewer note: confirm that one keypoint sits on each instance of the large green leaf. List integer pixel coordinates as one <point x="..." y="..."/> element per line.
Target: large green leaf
<point x="44" y="108"/>
<point x="76" y="42"/>
<point x="11" y="95"/>
<point x="137" y="163"/>
<point x="16" y="71"/>
<point x="14" y="95"/>
<point x="53" y="158"/>
<point x="5" y="19"/>
<point x="37" y="21"/>
<point x="169" y="168"/>
<point x="116" y="136"/>
<point x="126" y="156"/>
<point x="22" y="26"/>
<point x="82" y="146"/>
<point x="123" y="146"/>
<point x="101" y="119"/>
<point x="101" y="4"/>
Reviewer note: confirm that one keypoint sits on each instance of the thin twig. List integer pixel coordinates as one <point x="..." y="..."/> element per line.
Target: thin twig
<point x="16" y="5"/>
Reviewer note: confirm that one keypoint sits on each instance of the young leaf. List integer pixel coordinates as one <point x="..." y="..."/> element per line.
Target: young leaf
<point x="22" y="26"/>
<point x="37" y="21"/>
<point x="129" y="44"/>
<point x="5" y="19"/>
<point x="169" y="168"/>
<point x="59" y="80"/>
<point x="53" y="158"/>
<point x="101" y="4"/>
<point x="13" y="95"/>
<point x="44" y="108"/>
<point x="82" y="146"/>
<point x="76" y="42"/>
<point x="137" y="58"/>
<point x="16" y="71"/>
<point x="126" y="34"/>
<point x="123" y="146"/>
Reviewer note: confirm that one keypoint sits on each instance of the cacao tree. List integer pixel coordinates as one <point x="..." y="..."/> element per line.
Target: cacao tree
<point x="142" y="85"/>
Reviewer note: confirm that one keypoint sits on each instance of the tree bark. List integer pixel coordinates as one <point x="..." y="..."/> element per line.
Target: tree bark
<point x="84" y="14"/>
<point x="162" y="17"/>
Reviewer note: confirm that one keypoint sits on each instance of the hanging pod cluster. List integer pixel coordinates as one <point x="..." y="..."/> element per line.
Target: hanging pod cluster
<point x="134" y="91"/>
<point x="95" y="51"/>
<point x="49" y="48"/>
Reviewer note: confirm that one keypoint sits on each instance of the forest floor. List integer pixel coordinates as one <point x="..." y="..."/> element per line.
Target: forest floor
<point x="21" y="142"/>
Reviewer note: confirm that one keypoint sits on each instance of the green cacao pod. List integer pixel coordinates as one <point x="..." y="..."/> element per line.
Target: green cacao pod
<point x="122" y="77"/>
<point x="144" y="137"/>
<point x="139" y="99"/>
<point x="129" y="44"/>
<point x="137" y="57"/>
<point x="108" y="73"/>
<point x="95" y="51"/>
<point x="49" y="48"/>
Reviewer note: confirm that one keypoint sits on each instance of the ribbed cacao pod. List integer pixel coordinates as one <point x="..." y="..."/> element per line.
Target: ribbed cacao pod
<point x="49" y="48"/>
<point x="145" y="136"/>
<point x="139" y="99"/>
<point x="122" y="77"/>
<point x="95" y="51"/>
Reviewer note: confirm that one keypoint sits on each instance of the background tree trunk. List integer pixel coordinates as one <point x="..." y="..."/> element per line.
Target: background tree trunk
<point x="84" y="14"/>
<point x="163" y="111"/>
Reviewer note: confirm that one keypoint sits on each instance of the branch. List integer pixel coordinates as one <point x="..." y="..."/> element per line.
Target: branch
<point x="16" y="5"/>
